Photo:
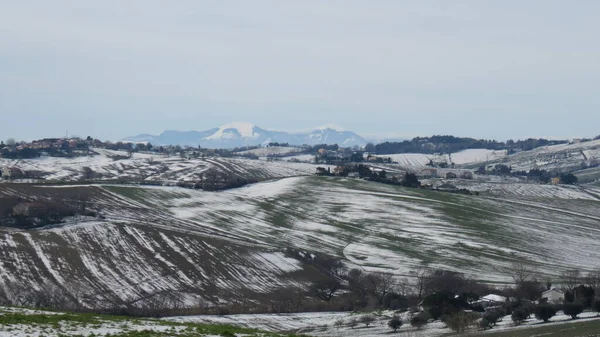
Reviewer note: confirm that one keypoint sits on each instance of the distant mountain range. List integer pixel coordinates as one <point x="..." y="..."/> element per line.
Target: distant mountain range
<point x="245" y="134"/>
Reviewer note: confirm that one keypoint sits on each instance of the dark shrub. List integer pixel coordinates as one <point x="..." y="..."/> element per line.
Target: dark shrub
<point x="394" y="301"/>
<point x="494" y="315"/>
<point x="418" y="321"/>
<point x="573" y="309"/>
<point x="395" y="323"/>
<point x="544" y="312"/>
<point x="459" y="321"/>
<point x="478" y="308"/>
<point x="519" y="316"/>
<point x="436" y="312"/>
<point x="583" y="294"/>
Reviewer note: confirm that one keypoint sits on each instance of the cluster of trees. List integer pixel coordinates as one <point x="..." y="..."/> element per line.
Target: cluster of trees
<point x="451" y="144"/>
<point x="365" y="172"/>
<point x="356" y="289"/>
<point x="216" y="180"/>
<point x="451" y="297"/>
<point x="434" y="144"/>
<point x="530" y="144"/>
<point x="43" y="212"/>
<point x="568" y="179"/>
<point x="337" y="158"/>
<point x="379" y="160"/>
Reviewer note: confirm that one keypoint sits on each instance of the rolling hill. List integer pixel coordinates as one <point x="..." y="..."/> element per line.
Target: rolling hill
<point x="108" y="165"/>
<point x="212" y="247"/>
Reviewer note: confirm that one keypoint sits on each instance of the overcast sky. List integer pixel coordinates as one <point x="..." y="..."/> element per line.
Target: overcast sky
<point x="115" y="68"/>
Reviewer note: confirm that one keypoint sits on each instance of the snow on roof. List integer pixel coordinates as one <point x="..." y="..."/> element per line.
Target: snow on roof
<point x="551" y="290"/>
<point x="493" y="298"/>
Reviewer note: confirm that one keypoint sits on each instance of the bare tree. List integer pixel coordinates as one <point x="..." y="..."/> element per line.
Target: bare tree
<point x="444" y="280"/>
<point x="380" y="285"/>
<point x="571" y="278"/>
<point x="287" y="300"/>
<point x="521" y="272"/>
<point x="403" y="286"/>
<point x="357" y="282"/>
<point x="421" y="275"/>
<point x="593" y="278"/>
<point x="325" y="289"/>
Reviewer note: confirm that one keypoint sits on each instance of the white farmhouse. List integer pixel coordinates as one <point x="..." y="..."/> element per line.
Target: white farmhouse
<point x="553" y="296"/>
<point x="11" y="172"/>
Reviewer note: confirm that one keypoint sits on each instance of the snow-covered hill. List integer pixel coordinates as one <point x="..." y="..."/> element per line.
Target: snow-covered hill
<point x="245" y="134"/>
<point x="214" y="246"/>
<point x="465" y="157"/>
<point x="109" y="165"/>
<point x="561" y="158"/>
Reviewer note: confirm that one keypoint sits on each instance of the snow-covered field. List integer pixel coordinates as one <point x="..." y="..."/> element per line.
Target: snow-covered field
<point x="476" y="156"/>
<point x="324" y="324"/>
<point x="114" y="165"/>
<point x="526" y="190"/>
<point x="459" y="158"/>
<point x="401" y="228"/>
<point x="21" y="322"/>
<point x="305" y="158"/>
<point x="273" y="150"/>
<point x="564" y="157"/>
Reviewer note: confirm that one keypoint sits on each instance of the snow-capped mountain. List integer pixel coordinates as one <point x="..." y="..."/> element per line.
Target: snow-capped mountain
<point x="246" y="134"/>
<point x="333" y="134"/>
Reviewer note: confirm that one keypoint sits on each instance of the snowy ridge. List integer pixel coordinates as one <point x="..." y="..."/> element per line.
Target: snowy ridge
<point x="234" y="131"/>
<point x="246" y="134"/>
<point x="114" y="165"/>
<point x="330" y="126"/>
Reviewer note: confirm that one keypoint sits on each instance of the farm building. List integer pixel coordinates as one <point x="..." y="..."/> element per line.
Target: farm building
<point x="11" y="172"/>
<point x="553" y="296"/>
<point x="490" y="300"/>
<point x="29" y="209"/>
<point x="429" y="173"/>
